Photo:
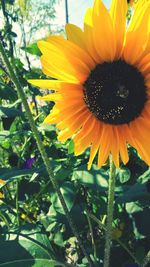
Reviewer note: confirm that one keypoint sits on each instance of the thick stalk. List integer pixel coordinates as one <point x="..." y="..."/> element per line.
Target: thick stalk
<point x="110" y="209"/>
<point x="42" y="151"/>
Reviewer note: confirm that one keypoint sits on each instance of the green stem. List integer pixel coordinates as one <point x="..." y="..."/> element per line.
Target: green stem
<point x="110" y="209"/>
<point x="8" y="192"/>
<point x="17" y="204"/>
<point x="42" y="151"/>
<point x="102" y="226"/>
<point x="127" y="250"/>
<point x="91" y="232"/>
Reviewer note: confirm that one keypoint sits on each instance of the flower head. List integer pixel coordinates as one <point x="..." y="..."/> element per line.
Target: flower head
<point x="29" y="162"/>
<point x="102" y="85"/>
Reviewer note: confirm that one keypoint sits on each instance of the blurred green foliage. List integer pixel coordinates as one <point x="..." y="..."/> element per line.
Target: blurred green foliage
<point x="33" y="227"/>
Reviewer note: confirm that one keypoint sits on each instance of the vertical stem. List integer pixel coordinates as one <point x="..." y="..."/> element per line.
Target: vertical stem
<point x="27" y="58"/>
<point x="42" y="151"/>
<point x="110" y="209"/>
<point x="17" y="204"/>
<point x="91" y="232"/>
<point x="8" y="192"/>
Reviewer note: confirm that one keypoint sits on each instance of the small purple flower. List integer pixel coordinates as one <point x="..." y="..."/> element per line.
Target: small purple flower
<point x="29" y="162"/>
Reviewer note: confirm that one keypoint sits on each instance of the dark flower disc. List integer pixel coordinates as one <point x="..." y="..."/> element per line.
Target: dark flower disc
<point x="115" y="92"/>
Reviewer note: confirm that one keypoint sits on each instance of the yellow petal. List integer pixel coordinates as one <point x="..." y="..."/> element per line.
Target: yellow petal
<point x="59" y="64"/>
<point x="103" y="32"/>
<point x="137" y="35"/>
<point x="51" y="69"/>
<point x="140" y="129"/>
<point x="118" y="11"/>
<point x="51" y="97"/>
<point x="68" y="121"/>
<point x="76" y="102"/>
<point x="71" y="50"/>
<point x="54" y="84"/>
<point x="144" y="61"/>
<point x="75" y="35"/>
<point x="73" y="126"/>
<point x="85" y="137"/>
<point x="123" y="144"/>
<point x="144" y="65"/>
<point x="95" y="145"/>
<point x="88" y="35"/>
<point x="85" y="128"/>
<point x="105" y="144"/>
<point x="57" y="115"/>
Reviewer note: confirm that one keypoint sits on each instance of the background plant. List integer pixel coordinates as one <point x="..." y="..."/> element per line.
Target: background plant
<point x="34" y="228"/>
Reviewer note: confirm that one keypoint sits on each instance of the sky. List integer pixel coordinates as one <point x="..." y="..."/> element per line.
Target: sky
<point x="76" y="12"/>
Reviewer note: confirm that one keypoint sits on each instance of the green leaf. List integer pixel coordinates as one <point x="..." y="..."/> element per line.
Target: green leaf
<point x="7" y="122"/>
<point x="27" y="245"/>
<point x="144" y="177"/>
<point x="3" y="135"/>
<point x="7" y="92"/>
<point x="13" y="34"/>
<point x="33" y="263"/>
<point x="1" y="71"/>
<point x="6" y="144"/>
<point x="77" y="212"/>
<point x="58" y="239"/>
<point x="9" y="112"/>
<point x="96" y="179"/>
<point x="17" y="63"/>
<point x="11" y="175"/>
<point x="133" y="207"/>
<point x="32" y="49"/>
<point x="10" y="2"/>
<point x="68" y="192"/>
<point x="71" y="147"/>
<point x="123" y="174"/>
<point x="62" y="173"/>
<point x="136" y="192"/>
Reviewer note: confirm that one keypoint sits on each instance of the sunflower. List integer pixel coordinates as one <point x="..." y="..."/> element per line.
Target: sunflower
<point x="101" y="79"/>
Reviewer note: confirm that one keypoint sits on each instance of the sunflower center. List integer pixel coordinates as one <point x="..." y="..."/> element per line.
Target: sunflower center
<point x="115" y="92"/>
